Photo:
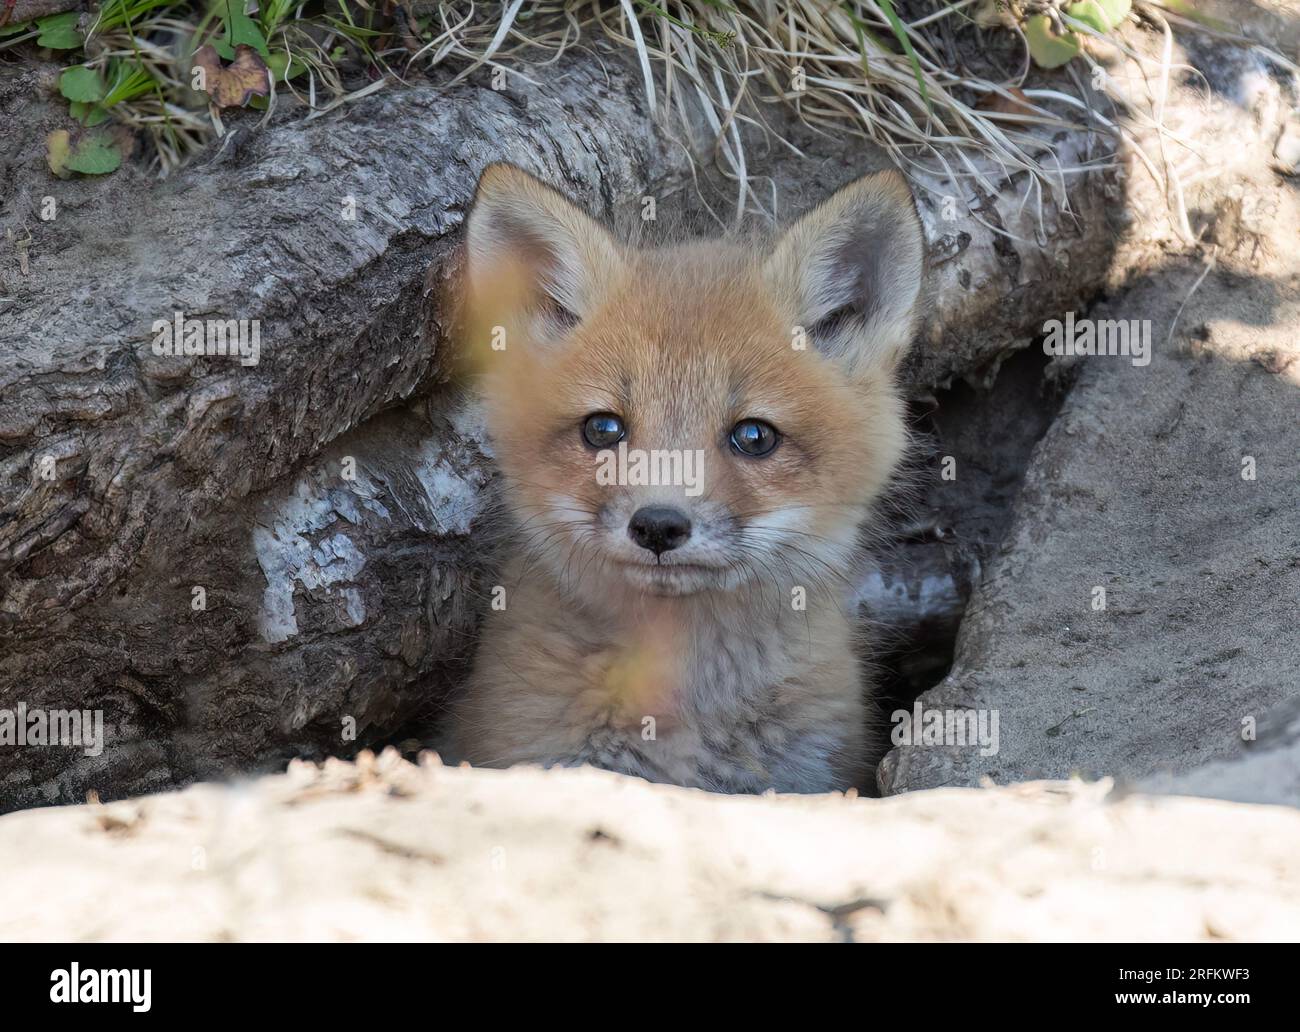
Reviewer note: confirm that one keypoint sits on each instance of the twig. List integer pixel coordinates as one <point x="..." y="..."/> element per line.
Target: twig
<point x="1209" y="264"/>
<point x="26" y="10"/>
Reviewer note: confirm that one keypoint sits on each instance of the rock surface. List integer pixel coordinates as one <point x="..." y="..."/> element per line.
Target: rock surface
<point x="1140" y="615"/>
<point x="383" y="850"/>
<point x="1263" y="769"/>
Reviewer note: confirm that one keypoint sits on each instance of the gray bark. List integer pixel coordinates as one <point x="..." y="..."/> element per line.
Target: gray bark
<point x="26" y="10"/>
<point x="127" y="480"/>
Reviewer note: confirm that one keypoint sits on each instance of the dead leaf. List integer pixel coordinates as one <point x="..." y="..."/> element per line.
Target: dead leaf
<point x="57" y="147"/>
<point x="235" y="84"/>
<point x="1016" y="104"/>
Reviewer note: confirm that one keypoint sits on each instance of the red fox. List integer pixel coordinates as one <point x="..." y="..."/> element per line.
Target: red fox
<point x="689" y="439"/>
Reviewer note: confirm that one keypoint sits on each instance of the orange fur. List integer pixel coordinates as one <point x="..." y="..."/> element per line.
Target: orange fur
<point x="706" y="646"/>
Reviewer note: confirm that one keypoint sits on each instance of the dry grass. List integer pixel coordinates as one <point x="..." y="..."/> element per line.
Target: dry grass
<point x="898" y="72"/>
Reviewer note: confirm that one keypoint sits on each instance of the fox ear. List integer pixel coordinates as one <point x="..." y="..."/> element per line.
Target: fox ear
<point x="851" y="269"/>
<point x="530" y="243"/>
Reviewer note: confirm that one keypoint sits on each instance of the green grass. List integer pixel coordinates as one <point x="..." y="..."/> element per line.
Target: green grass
<point x="879" y="68"/>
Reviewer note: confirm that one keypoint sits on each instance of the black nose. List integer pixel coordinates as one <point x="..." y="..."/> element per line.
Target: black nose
<point x="659" y="528"/>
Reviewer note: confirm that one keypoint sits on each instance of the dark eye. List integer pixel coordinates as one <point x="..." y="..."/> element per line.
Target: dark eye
<point x="603" y="430"/>
<point x="754" y="437"/>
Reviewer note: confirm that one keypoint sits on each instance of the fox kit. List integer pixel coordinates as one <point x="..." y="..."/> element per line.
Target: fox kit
<point x="689" y="438"/>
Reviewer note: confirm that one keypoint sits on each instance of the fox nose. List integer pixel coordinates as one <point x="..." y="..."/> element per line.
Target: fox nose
<point x="659" y="528"/>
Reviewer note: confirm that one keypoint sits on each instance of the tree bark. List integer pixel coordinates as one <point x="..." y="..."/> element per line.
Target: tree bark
<point x="129" y="480"/>
<point x="26" y="10"/>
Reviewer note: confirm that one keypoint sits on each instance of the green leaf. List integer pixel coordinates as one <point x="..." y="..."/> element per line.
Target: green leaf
<point x="861" y="32"/>
<point x="240" y="28"/>
<point x="88" y="114"/>
<point x="82" y="84"/>
<point x="272" y="13"/>
<point x="96" y="153"/>
<point x="283" y="67"/>
<point x="59" y="31"/>
<point x="1102" y="15"/>
<point x="900" y="33"/>
<point x="1188" y="10"/>
<point x="1047" y="48"/>
<point x="128" y="80"/>
<point x="92" y="153"/>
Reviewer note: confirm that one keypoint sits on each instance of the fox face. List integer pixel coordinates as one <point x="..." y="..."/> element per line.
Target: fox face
<point x="694" y="420"/>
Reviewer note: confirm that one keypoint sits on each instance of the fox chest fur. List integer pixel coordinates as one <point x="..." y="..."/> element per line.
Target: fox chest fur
<point x="690" y="439"/>
<point x="730" y="702"/>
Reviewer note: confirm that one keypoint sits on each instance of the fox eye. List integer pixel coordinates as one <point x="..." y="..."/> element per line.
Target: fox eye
<point x="603" y="430"/>
<point x="754" y="437"/>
